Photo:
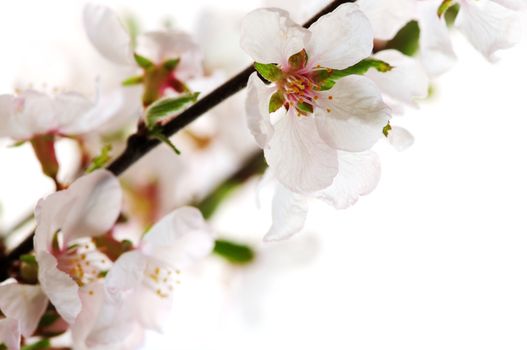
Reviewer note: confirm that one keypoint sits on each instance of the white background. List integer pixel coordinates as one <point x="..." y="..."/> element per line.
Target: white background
<point x="435" y="258"/>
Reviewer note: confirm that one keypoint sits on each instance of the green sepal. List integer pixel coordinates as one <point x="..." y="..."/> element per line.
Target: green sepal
<point x="170" y="65"/>
<point x="406" y="40"/>
<point x="133" y="81"/>
<point x="386" y="130"/>
<point x="29" y="259"/>
<point x="298" y="60"/>
<point x="270" y="71"/>
<point x="167" y="107"/>
<point x="17" y="144"/>
<point x="304" y="108"/>
<point x="277" y="101"/>
<point x="101" y="160"/>
<point x="157" y="133"/>
<point x="39" y="345"/>
<point x="28" y="269"/>
<point x="235" y="253"/>
<point x="445" y="5"/>
<point x="142" y="61"/>
<point x="451" y="14"/>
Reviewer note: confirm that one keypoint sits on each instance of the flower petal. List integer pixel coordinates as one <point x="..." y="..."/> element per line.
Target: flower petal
<point x="387" y="17"/>
<point x="8" y="126"/>
<point x="341" y="38"/>
<point x="352" y="114"/>
<point x="270" y="36"/>
<point x="107" y="34"/>
<point x="435" y="47"/>
<point x="406" y="82"/>
<point x="10" y="333"/>
<point x="298" y="157"/>
<point x="160" y="46"/>
<point x="359" y="174"/>
<point x="126" y="274"/>
<point x="289" y="214"/>
<point x="400" y="138"/>
<point x="60" y="288"/>
<point x="24" y="303"/>
<point x="179" y="239"/>
<point x="257" y="109"/>
<point x="72" y="113"/>
<point x="512" y="4"/>
<point x="488" y="26"/>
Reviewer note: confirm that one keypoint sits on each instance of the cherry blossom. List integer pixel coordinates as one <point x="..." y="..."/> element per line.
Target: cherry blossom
<point x="301" y="139"/>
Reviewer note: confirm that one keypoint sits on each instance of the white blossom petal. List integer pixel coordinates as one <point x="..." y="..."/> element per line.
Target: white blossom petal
<point x="179" y="239"/>
<point x="406" y="82"/>
<point x="298" y="157"/>
<point x="269" y="36"/>
<point x="24" y="303"/>
<point x="352" y="114"/>
<point x="61" y="289"/>
<point x="10" y="333"/>
<point x="359" y="173"/>
<point x="257" y="109"/>
<point x="8" y="126"/>
<point x="400" y="138"/>
<point x="71" y="113"/>
<point x="387" y="17"/>
<point x="488" y="26"/>
<point x="512" y="4"/>
<point x="435" y="47"/>
<point x="289" y="214"/>
<point x="341" y="38"/>
<point x="126" y="274"/>
<point x="107" y="34"/>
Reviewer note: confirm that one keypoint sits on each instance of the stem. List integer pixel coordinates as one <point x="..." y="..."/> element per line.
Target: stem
<point x="140" y="144"/>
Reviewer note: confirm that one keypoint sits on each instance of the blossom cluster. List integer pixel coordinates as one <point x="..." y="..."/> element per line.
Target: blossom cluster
<point x="319" y="100"/>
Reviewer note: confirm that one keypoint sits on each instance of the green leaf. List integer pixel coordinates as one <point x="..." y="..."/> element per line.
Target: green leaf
<point x="233" y="252"/>
<point x="39" y="345"/>
<point x="270" y="71"/>
<point x="133" y="81"/>
<point x="277" y="101"/>
<point x="445" y="5"/>
<point x="17" y="144"/>
<point x="298" y="60"/>
<point x="209" y="204"/>
<point x="167" y="107"/>
<point x="101" y="160"/>
<point x="361" y="68"/>
<point x="143" y="62"/>
<point x="170" y="65"/>
<point x="157" y="133"/>
<point x="406" y="40"/>
<point x="386" y="130"/>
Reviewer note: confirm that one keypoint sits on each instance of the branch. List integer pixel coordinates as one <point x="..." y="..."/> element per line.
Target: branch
<point x="139" y="144"/>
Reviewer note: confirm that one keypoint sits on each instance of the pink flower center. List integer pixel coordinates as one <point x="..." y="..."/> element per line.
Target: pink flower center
<point x="83" y="262"/>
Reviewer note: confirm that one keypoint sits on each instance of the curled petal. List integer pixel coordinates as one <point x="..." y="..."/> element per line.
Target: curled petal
<point x="24" y="303"/>
<point x="352" y="114"/>
<point x="257" y="108"/>
<point x="359" y="173"/>
<point x="289" y="214"/>
<point x="60" y="288"/>
<point x="489" y="27"/>
<point x="400" y="138"/>
<point x="406" y="82"/>
<point x="270" y="36"/>
<point x="179" y="239"/>
<point x="107" y="34"/>
<point x="341" y="38"/>
<point x="298" y="157"/>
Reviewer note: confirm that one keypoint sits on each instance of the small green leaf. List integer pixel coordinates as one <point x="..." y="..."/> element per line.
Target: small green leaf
<point x="157" y="133"/>
<point x="304" y="108"/>
<point x="143" y="62"/>
<point x="29" y="259"/>
<point x="170" y="65"/>
<point x="101" y="160"/>
<point x="17" y="144"/>
<point x="386" y="130"/>
<point x="270" y="71"/>
<point x="235" y="253"/>
<point x="39" y="345"/>
<point x="277" y="101"/>
<point x="298" y="60"/>
<point x="361" y="68"/>
<point x="167" y="107"/>
<point x="445" y="5"/>
<point x="406" y="40"/>
<point x="133" y="81"/>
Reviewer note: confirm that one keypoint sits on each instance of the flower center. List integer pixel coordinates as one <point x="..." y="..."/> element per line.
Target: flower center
<point x="161" y="279"/>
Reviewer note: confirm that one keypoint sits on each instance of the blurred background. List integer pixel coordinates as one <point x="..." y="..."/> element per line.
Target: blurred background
<point x="434" y="258"/>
